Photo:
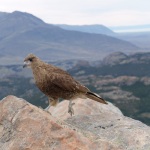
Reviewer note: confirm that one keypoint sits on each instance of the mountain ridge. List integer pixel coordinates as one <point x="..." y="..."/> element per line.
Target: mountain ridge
<point x="137" y="35"/>
<point x="97" y="29"/>
<point x="22" y="33"/>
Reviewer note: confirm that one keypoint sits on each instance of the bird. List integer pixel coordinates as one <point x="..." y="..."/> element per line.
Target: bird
<point x="57" y="83"/>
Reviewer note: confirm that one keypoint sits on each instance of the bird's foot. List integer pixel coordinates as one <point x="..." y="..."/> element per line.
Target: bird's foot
<point x="70" y="109"/>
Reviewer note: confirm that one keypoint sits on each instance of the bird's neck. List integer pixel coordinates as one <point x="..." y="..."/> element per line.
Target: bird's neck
<point x="39" y="71"/>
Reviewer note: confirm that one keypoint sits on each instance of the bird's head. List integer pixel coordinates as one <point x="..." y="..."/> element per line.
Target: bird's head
<point x="29" y="60"/>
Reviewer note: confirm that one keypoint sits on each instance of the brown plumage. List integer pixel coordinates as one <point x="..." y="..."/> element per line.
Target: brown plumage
<point x="57" y="83"/>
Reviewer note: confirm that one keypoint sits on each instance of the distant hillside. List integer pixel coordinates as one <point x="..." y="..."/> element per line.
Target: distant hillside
<point x="137" y="35"/>
<point x="141" y="39"/>
<point x="122" y="79"/>
<point x="3" y="14"/>
<point x="118" y="64"/>
<point x="98" y="29"/>
<point x="119" y="58"/>
<point x="118" y="78"/>
<point x="23" y="33"/>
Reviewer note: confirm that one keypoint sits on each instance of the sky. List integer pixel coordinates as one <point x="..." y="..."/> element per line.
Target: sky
<point x="84" y="12"/>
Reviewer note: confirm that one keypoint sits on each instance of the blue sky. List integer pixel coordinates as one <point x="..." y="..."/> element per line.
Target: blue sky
<point x="79" y="12"/>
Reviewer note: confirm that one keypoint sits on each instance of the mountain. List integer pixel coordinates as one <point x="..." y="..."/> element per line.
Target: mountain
<point x="140" y="39"/>
<point x="17" y="22"/>
<point x="23" y="33"/>
<point x="3" y="14"/>
<point x="98" y="29"/>
<point x="138" y="35"/>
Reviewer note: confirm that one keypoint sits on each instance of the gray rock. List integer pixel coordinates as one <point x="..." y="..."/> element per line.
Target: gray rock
<point x="107" y="124"/>
<point x="94" y="126"/>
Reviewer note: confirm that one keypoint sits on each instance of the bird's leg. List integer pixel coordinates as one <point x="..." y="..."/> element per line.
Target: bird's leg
<point x="70" y="109"/>
<point x="47" y="108"/>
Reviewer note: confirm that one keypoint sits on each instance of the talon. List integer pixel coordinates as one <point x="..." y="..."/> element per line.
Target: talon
<point x="73" y="104"/>
<point x="70" y="109"/>
<point x="71" y="112"/>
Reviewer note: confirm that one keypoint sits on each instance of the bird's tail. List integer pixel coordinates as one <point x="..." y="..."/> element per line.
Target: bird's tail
<point x="95" y="97"/>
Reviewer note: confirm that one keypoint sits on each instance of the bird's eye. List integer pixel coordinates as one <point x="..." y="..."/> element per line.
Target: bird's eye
<point x="30" y="59"/>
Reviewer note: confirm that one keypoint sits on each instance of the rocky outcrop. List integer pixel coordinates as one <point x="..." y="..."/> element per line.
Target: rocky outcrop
<point x="117" y="58"/>
<point x="84" y="107"/>
<point x="94" y="126"/>
<point x="26" y="127"/>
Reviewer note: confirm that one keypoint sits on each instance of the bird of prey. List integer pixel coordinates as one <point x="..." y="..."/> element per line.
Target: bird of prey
<point x="56" y="83"/>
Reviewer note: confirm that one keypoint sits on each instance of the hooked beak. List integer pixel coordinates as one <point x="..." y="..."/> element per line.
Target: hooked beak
<point x="26" y="64"/>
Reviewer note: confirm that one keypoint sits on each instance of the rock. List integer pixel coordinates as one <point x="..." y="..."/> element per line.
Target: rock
<point x="95" y="126"/>
<point x="117" y="58"/>
<point x="26" y="127"/>
<point x="114" y="58"/>
<point x="83" y="107"/>
<point x="122" y="132"/>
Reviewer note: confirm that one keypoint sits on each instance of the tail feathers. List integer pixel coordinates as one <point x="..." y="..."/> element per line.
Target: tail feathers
<point x="95" y="97"/>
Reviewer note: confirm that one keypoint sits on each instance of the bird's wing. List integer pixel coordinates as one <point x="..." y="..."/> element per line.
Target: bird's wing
<point x="66" y="82"/>
<point x="63" y="79"/>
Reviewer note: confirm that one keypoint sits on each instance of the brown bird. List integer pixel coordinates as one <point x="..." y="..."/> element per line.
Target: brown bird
<point x="57" y="83"/>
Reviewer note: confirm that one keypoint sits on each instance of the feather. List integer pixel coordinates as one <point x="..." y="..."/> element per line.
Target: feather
<point x="95" y="97"/>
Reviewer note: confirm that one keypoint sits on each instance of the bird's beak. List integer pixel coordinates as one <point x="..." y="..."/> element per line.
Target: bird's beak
<point x="26" y="64"/>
